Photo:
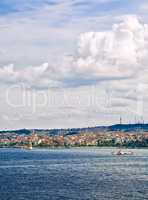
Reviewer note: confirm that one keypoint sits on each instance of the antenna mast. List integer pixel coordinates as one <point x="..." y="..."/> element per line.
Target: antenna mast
<point x="120" y="120"/>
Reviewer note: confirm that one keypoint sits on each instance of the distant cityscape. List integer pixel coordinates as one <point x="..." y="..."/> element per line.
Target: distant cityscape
<point x="120" y="135"/>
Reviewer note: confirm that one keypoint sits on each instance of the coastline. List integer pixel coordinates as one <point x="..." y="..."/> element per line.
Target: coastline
<point x="81" y="147"/>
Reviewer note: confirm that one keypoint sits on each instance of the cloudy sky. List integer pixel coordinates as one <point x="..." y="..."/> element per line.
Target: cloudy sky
<point x="73" y="63"/>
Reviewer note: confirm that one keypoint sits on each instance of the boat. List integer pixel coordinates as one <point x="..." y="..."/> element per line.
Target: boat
<point x="28" y="146"/>
<point x="122" y="153"/>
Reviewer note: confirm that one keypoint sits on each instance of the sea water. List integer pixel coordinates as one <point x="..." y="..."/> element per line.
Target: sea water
<point x="73" y="174"/>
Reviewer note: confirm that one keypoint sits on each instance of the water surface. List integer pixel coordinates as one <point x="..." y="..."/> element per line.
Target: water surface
<point x="72" y="174"/>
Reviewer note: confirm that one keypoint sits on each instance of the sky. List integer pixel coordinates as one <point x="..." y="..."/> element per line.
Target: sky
<point x="73" y="63"/>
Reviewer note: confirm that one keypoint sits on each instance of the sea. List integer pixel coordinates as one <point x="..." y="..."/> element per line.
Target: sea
<point x="73" y="174"/>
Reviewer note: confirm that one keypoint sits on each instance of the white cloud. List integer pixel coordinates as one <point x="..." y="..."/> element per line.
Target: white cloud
<point x="118" y="53"/>
<point x="121" y="53"/>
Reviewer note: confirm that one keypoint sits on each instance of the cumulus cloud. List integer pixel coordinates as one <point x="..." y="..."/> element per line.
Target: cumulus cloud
<point x="32" y="76"/>
<point x="117" y="54"/>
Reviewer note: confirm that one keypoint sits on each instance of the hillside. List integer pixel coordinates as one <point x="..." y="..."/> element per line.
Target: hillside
<point x="117" y="127"/>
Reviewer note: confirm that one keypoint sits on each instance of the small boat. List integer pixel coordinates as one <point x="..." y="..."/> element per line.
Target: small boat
<point x="122" y="153"/>
<point x="28" y="146"/>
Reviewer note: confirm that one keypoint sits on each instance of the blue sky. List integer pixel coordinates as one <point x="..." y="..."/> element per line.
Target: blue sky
<point x="60" y="47"/>
<point x="82" y="8"/>
<point x="68" y="11"/>
<point x="74" y="16"/>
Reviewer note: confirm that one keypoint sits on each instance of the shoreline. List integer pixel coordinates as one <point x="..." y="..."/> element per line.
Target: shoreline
<point x="83" y="147"/>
